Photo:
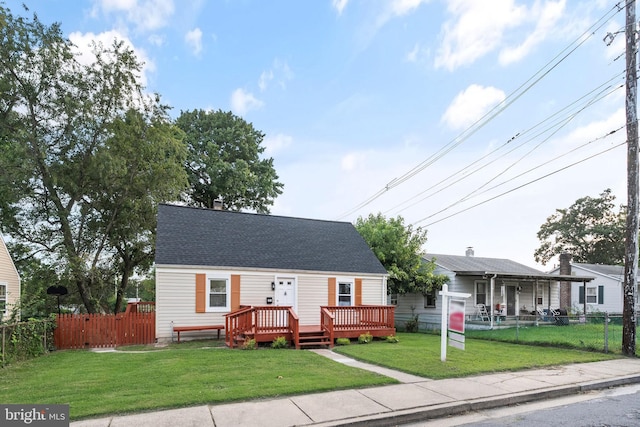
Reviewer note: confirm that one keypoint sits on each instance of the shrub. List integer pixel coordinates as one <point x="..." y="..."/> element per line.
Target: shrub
<point x="250" y="344"/>
<point x="411" y="325"/>
<point x="26" y="340"/>
<point x="343" y="341"/>
<point x="365" y="338"/>
<point x="392" y="339"/>
<point x="280" y="342"/>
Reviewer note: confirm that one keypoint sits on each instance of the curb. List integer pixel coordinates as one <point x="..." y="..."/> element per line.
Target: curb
<point x="457" y="408"/>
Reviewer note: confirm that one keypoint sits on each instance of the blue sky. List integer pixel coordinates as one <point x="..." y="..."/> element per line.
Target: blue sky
<point x="463" y="116"/>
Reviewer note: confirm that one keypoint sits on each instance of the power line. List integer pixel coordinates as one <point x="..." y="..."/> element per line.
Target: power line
<point x="517" y="188"/>
<point x="494" y="112"/>
<point x="601" y="94"/>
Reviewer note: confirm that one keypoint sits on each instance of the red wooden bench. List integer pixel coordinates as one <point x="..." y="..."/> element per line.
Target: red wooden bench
<point x="179" y="329"/>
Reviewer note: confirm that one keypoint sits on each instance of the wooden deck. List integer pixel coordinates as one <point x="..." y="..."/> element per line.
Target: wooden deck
<point x="266" y="323"/>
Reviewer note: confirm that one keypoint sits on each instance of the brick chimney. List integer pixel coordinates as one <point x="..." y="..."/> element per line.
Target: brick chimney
<point x="469" y="251"/>
<point x="565" y="287"/>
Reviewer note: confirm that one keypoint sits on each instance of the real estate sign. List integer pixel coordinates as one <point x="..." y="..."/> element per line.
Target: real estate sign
<point x="456" y="323"/>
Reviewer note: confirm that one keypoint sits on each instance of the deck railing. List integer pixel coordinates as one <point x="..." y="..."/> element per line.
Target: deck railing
<point x="237" y="323"/>
<point x="326" y="322"/>
<point x="346" y="318"/>
<point x="261" y="322"/>
<point x="265" y="323"/>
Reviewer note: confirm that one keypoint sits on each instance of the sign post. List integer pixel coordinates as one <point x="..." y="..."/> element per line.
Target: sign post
<point x="455" y="319"/>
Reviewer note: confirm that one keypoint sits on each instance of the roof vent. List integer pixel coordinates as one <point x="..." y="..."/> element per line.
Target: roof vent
<point x="217" y="205"/>
<point x="469" y="251"/>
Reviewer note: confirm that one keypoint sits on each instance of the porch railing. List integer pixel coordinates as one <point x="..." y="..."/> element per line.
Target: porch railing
<point x="238" y="323"/>
<point x="327" y="320"/>
<point x="261" y="322"/>
<point x="265" y="323"/>
<point x="357" y="318"/>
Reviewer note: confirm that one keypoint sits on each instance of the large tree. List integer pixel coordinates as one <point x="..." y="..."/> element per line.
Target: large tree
<point x="224" y="162"/>
<point x="591" y="230"/>
<point x="399" y="249"/>
<point x="86" y="156"/>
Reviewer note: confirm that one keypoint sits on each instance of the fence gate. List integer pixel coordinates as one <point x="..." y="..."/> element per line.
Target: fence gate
<point x="105" y="330"/>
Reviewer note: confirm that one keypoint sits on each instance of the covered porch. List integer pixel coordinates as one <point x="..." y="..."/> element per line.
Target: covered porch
<point x="518" y="297"/>
<point x="265" y="323"/>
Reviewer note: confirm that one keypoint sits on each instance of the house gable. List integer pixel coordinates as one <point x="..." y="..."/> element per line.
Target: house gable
<point x="9" y="279"/>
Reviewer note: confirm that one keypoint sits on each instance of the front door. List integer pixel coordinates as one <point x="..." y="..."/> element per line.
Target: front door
<point x="286" y="291"/>
<point x="511" y="300"/>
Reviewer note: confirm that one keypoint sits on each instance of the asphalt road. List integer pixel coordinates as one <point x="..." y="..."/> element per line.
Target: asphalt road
<point x="615" y="407"/>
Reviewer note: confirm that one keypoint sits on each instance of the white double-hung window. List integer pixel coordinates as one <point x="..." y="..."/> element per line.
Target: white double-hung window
<point x="218" y="293"/>
<point x="345" y="292"/>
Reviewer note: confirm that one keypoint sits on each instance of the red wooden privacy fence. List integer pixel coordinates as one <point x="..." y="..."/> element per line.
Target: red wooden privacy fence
<point x="136" y="326"/>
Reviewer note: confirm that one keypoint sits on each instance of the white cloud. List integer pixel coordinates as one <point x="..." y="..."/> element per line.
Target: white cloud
<point x="264" y="80"/>
<point x="83" y="47"/>
<point x="349" y="162"/>
<point x="279" y="72"/>
<point x="193" y="38"/>
<point x="470" y="105"/>
<point x="418" y="54"/>
<point x="475" y="30"/>
<point x="339" y="5"/>
<point x="276" y="143"/>
<point x="242" y="102"/>
<point x="146" y="15"/>
<point x="402" y="7"/>
<point x="156" y="40"/>
<point x="547" y="16"/>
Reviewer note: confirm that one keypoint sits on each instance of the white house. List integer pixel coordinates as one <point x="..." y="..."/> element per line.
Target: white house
<point x="603" y="294"/>
<point x="210" y="263"/>
<point x="9" y="281"/>
<point x="499" y="288"/>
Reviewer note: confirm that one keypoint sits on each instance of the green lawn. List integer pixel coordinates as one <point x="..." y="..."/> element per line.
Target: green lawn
<point x="195" y="373"/>
<point x="110" y="383"/>
<point x="586" y="336"/>
<point x="419" y="354"/>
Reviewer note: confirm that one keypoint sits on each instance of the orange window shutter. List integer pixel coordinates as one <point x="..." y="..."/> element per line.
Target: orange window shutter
<point x="235" y="292"/>
<point x="201" y="293"/>
<point x="332" y="291"/>
<point x="358" y="291"/>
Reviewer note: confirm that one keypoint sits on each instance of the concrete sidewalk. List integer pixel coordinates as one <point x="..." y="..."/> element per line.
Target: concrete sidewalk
<point x="414" y="400"/>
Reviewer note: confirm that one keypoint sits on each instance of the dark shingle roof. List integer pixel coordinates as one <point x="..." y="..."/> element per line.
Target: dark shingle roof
<point x="204" y="237"/>
<point x="462" y="264"/>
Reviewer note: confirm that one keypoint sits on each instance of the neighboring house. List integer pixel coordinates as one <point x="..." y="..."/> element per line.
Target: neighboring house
<point x="503" y="287"/>
<point x="603" y="294"/>
<point x="211" y="262"/>
<point x="9" y="282"/>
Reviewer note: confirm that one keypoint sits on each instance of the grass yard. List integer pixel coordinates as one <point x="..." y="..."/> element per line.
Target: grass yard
<point x="585" y="336"/>
<point x="419" y="354"/>
<point x="201" y="372"/>
<point x="97" y="384"/>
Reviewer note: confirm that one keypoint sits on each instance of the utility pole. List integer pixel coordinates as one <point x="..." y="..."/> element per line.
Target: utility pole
<point x="631" y="237"/>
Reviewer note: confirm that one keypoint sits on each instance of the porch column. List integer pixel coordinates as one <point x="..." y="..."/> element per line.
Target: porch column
<point x="492" y="284"/>
<point x="535" y="300"/>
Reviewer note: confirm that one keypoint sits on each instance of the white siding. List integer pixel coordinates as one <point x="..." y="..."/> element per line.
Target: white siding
<point x="175" y="296"/>
<point x="313" y="292"/>
<point x="9" y="276"/>
<point x="255" y="288"/>
<point x="612" y="296"/>
<point x="371" y="291"/>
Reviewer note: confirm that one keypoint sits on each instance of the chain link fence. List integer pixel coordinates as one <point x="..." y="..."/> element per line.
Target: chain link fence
<point x="593" y="332"/>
